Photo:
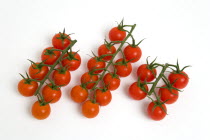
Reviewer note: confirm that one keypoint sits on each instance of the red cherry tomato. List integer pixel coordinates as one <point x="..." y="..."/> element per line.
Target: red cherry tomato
<point x="89" y="109"/>
<point x="49" y="57"/>
<point x="51" y="93"/>
<point x="93" y="63"/>
<point x="37" y="71"/>
<point x="146" y="74"/>
<point x="87" y="77"/>
<point x="115" y="34"/>
<point x="132" y="53"/>
<point x="179" y="80"/>
<point x="79" y="94"/>
<point x="27" y="88"/>
<point x="61" y="77"/>
<point x="72" y="61"/>
<point x="103" y="50"/>
<point x="40" y="112"/>
<point x="136" y="92"/>
<point x="111" y="81"/>
<point x="156" y="112"/>
<point x="103" y="97"/>
<point x="169" y="96"/>
<point x="123" y="70"/>
<point x="61" y="41"/>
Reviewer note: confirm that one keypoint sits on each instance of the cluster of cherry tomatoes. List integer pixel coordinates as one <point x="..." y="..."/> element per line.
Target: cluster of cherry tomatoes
<point x="93" y="94"/>
<point x="168" y="93"/>
<point x="53" y="72"/>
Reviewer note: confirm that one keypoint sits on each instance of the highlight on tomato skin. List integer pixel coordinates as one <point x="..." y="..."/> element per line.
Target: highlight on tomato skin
<point x="89" y="78"/>
<point x="136" y="92"/>
<point x="169" y="96"/>
<point x="51" y="93"/>
<point x="38" y="73"/>
<point x="179" y="80"/>
<point x="115" y="34"/>
<point x="132" y="54"/>
<point x="61" y="41"/>
<point x="61" y="77"/>
<point x="40" y="112"/>
<point x="124" y="69"/>
<point x="156" y="112"/>
<point x="95" y="63"/>
<point x="27" y="89"/>
<point x="111" y="81"/>
<point x="146" y="74"/>
<point x="103" y="98"/>
<point x="49" y="57"/>
<point x="78" y="94"/>
<point x="72" y="61"/>
<point x="104" y="50"/>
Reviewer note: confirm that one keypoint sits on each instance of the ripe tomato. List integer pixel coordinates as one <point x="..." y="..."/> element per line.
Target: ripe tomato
<point x="156" y="113"/>
<point x="146" y="74"/>
<point x="103" y="50"/>
<point x="38" y="71"/>
<point x="111" y="81"/>
<point x="79" y="94"/>
<point x="51" y="93"/>
<point x="49" y="57"/>
<point x="94" y="63"/>
<point x="136" y="92"/>
<point x="123" y="70"/>
<point x="132" y="53"/>
<point x="61" y="77"/>
<point x="40" y="112"/>
<point x="181" y="79"/>
<point x="103" y="97"/>
<point x="115" y="34"/>
<point x="87" y="77"/>
<point x="89" y="109"/>
<point x="72" y="61"/>
<point x="169" y="96"/>
<point x="27" y="88"/>
<point x="61" y="41"/>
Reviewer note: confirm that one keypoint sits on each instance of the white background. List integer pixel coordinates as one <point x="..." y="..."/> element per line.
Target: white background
<point x="172" y="28"/>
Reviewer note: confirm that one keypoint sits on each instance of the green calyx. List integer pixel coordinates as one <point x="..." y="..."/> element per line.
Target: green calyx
<point x="49" y="52"/>
<point x="27" y="80"/>
<point x="63" y="35"/>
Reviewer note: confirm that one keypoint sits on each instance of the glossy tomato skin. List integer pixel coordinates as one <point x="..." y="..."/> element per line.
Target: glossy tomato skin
<point x="89" y="109"/>
<point x="115" y="34"/>
<point x="79" y="94"/>
<point x="72" y="64"/>
<point x="103" y="50"/>
<point x="181" y="79"/>
<point x="40" y="112"/>
<point x="61" y="78"/>
<point x="49" y="57"/>
<point x="158" y="113"/>
<point x="93" y="63"/>
<point x="146" y="74"/>
<point x="169" y="96"/>
<point x="51" y="95"/>
<point x="27" y="89"/>
<point x="112" y="83"/>
<point x="87" y="77"/>
<point x="122" y="69"/>
<point x="58" y="43"/>
<point x="136" y="92"/>
<point x="103" y="97"/>
<point x="36" y="73"/>
<point x="132" y="53"/>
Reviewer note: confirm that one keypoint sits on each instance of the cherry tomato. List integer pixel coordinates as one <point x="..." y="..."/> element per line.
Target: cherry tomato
<point x="27" y="88"/>
<point x="87" y="77"/>
<point x="89" y="109"/>
<point x="103" y="97"/>
<point x="61" y="77"/>
<point x="111" y="81"/>
<point x="179" y="80"/>
<point x="72" y="61"/>
<point x="169" y="96"/>
<point x="132" y="53"/>
<point x="94" y="63"/>
<point x="136" y="92"/>
<point x="156" y="112"/>
<point x="79" y="94"/>
<point x="103" y="50"/>
<point x="49" y="57"/>
<point x="40" y="112"/>
<point x="123" y="70"/>
<point x="61" y="41"/>
<point x="51" y="93"/>
<point x="38" y="71"/>
<point x="115" y="34"/>
<point x="146" y="74"/>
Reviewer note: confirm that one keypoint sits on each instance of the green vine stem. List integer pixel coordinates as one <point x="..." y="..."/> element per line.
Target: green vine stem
<point x="113" y="56"/>
<point x="52" y="67"/>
